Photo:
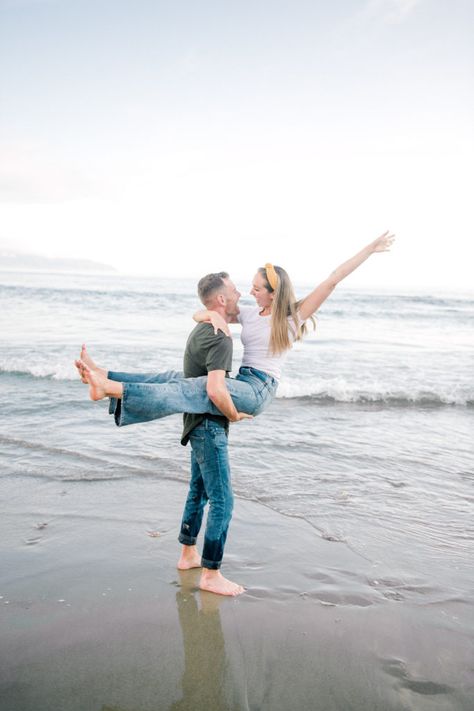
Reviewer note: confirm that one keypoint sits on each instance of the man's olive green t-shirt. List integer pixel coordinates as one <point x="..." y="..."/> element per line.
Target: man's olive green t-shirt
<point x="205" y="351"/>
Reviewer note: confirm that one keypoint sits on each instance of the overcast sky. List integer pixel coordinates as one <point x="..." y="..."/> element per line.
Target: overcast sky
<point x="180" y="137"/>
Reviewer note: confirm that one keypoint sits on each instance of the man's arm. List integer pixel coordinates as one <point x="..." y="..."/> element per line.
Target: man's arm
<point x="218" y="393"/>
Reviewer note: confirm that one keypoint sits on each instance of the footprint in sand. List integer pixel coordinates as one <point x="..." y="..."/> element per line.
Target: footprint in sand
<point x="399" y="669"/>
<point x="32" y="541"/>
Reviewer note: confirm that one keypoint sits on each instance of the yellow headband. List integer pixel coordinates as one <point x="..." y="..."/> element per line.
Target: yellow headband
<point x="272" y="276"/>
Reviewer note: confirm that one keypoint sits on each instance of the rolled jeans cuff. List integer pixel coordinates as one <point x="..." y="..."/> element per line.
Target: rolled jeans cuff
<point x="211" y="564"/>
<point x="187" y="540"/>
<point x="115" y="409"/>
<point x="115" y="405"/>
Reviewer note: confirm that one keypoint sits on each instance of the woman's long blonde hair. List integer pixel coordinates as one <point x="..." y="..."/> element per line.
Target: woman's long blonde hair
<point x="284" y="313"/>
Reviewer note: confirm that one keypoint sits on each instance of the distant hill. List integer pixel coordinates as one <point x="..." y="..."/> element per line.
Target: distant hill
<point x="34" y="262"/>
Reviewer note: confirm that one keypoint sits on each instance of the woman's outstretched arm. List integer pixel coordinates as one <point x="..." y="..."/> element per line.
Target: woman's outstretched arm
<point x="313" y="301"/>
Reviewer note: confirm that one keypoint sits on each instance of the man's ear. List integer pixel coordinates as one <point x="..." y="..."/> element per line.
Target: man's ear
<point x="221" y="299"/>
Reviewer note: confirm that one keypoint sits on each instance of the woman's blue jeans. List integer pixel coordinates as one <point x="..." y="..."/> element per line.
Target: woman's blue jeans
<point x="210" y="481"/>
<point x="149" y="396"/>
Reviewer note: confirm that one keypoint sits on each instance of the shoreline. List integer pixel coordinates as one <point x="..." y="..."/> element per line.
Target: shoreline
<point x="94" y="614"/>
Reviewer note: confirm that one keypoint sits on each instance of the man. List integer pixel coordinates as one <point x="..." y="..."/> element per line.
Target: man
<point x="208" y="353"/>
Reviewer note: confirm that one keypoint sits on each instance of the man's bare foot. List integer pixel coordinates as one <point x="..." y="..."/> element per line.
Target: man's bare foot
<point x="213" y="581"/>
<point x="99" y="386"/>
<point x="85" y="358"/>
<point x="189" y="558"/>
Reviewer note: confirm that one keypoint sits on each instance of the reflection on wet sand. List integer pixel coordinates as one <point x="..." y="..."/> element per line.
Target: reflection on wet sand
<point x="204" y="649"/>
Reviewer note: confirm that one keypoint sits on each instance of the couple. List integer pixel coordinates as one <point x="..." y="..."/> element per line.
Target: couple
<point x="210" y="399"/>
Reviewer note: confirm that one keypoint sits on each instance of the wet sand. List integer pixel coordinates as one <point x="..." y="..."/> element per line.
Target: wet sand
<point x="94" y="615"/>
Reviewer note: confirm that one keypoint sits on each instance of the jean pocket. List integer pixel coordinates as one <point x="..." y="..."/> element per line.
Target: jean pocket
<point x="219" y="437"/>
<point x="198" y="445"/>
<point x="266" y="396"/>
<point x="266" y="391"/>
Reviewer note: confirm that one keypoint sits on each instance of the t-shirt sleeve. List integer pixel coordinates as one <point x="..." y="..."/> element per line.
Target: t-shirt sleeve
<point x="219" y="353"/>
<point x="292" y="326"/>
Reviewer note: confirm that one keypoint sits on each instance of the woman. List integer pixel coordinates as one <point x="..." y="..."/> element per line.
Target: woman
<point x="268" y="332"/>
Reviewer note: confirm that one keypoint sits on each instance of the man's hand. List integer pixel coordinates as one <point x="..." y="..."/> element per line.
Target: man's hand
<point x="220" y="396"/>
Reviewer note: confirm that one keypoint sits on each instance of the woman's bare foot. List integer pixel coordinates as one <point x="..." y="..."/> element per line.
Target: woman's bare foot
<point x="99" y="385"/>
<point x="189" y="558"/>
<point x="213" y="581"/>
<point x="81" y="370"/>
<point x="85" y="358"/>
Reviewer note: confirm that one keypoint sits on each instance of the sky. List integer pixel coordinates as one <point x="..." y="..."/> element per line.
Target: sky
<point x="178" y="138"/>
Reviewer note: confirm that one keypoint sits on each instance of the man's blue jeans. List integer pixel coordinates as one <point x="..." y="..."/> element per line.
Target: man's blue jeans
<point x="149" y="396"/>
<point x="210" y="482"/>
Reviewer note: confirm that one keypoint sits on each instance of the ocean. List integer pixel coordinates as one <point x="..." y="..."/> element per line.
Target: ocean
<point x="370" y="439"/>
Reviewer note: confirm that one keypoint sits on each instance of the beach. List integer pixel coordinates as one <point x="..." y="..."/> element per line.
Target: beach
<point x="352" y="530"/>
<point x="143" y="147"/>
<point x="96" y="616"/>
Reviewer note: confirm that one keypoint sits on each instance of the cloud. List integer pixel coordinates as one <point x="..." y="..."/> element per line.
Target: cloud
<point x="391" y="11"/>
<point x="32" y="174"/>
<point x="18" y="4"/>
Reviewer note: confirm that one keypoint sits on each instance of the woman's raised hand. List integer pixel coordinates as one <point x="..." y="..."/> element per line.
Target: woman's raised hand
<point x="383" y="243"/>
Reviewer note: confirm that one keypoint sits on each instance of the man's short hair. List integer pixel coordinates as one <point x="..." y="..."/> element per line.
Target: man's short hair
<point x="210" y="285"/>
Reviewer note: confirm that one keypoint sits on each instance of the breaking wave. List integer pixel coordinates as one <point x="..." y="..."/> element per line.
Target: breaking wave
<point x="341" y="390"/>
<point x="324" y="390"/>
<point x="52" y="370"/>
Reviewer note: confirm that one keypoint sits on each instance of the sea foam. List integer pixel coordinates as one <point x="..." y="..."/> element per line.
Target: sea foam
<point x="342" y="390"/>
<point x="319" y="389"/>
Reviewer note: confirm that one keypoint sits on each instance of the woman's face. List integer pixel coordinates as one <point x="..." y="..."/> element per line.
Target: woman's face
<point x="262" y="296"/>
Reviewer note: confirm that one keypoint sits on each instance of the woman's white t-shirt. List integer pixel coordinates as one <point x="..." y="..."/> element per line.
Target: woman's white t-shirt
<point x="255" y="338"/>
